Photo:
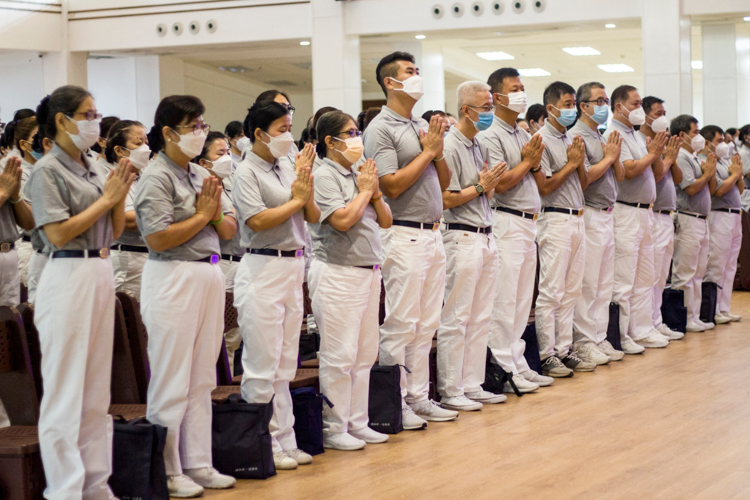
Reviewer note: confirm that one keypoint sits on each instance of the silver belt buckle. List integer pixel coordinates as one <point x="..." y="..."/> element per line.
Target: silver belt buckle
<point x="5" y="247"/>
<point x="104" y="253"/>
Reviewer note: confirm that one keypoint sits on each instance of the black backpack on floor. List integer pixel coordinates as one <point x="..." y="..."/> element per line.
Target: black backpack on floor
<point x="708" y="302"/>
<point x="385" y="399"/>
<point x="495" y="377"/>
<point x="673" y="310"/>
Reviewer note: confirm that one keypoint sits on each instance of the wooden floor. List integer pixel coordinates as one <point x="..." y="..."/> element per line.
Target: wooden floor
<point x="673" y="423"/>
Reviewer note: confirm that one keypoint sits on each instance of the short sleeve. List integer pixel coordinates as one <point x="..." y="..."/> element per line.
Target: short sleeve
<point x="688" y="175"/>
<point x="328" y="195"/>
<point x="454" y="164"/>
<point x="226" y="204"/>
<point x="154" y="205"/>
<point x="625" y="153"/>
<point x="546" y="163"/>
<point x="246" y="193"/>
<point x="130" y="199"/>
<point x="48" y="202"/>
<point x="719" y="181"/>
<point x="495" y="148"/>
<point x="380" y="147"/>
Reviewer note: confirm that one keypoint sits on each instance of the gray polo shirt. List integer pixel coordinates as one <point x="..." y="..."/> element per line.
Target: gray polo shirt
<point x="335" y="188"/>
<point x="466" y="158"/>
<point x="8" y="228"/>
<point x="699" y="203"/>
<point x="504" y="142"/>
<point x="641" y="189"/>
<point x="37" y="243"/>
<point x="393" y="142"/>
<point x="61" y="188"/>
<point x="666" y="196"/>
<point x="231" y="247"/>
<point x="732" y="197"/>
<point x="26" y="168"/>
<point x="133" y="238"/>
<point x="554" y="158"/>
<point x="102" y="160"/>
<point x="166" y="195"/>
<point x="259" y="185"/>
<point x="602" y="193"/>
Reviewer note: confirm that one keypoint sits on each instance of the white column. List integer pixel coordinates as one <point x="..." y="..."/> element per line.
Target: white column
<point x="337" y="79"/>
<point x="666" y="55"/>
<point x="432" y="72"/>
<point x="147" y="88"/>
<point x="726" y="67"/>
<point x="64" y="67"/>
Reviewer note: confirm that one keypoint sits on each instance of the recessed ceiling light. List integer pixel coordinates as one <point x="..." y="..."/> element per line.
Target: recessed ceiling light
<point x="533" y="72"/>
<point x="495" y="56"/>
<point x="746" y="18"/>
<point x="581" y="51"/>
<point x="610" y="25"/>
<point x="616" y="68"/>
<point x="420" y="37"/>
<point x="304" y="42"/>
<point x="696" y="64"/>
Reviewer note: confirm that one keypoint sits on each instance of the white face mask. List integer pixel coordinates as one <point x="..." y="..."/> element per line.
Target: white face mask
<point x="242" y="143"/>
<point x="354" y="148"/>
<point x="414" y="86"/>
<point x="516" y="101"/>
<point x="139" y="156"/>
<point x="722" y="150"/>
<point x="88" y="133"/>
<point x="636" y="117"/>
<point x="222" y="167"/>
<point x="192" y="144"/>
<point x="730" y="148"/>
<point x="281" y="144"/>
<point x="697" y="143"/>
<point x="660" y="124"/>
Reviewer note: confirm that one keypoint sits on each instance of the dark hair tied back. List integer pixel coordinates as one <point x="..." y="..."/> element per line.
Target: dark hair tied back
<point x="330" y="124"/>
<point x="171" y="112"/>
<point x="262" y="116"/>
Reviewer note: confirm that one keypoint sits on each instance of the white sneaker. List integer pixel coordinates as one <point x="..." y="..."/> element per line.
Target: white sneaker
<point x="608" y="349"/>
<point x="282" y="461"/>
<point x="432" y="412"/>
<point x="709" y="325"/>
<point x="589" y="352"/>
<point x="181" y="486"/>
<point x="523" y="385"/>
<point x="299" y="456"/>
<point x="369" y="436"/>
<point x="653" y="341"/>
<point x="210" y="478"/>
<point x="733" y="317"/>
<point x="722" y="319"/>
<point x="486" y="397"/>
<point x="460" y="403"/>
<point x="540" y="380"/>
<point x="693" y="327"/>
<point x="669" y="333"/>
<point x="656" y="333"/>
<point x="342" y="441"/>
<point x="630" y="347"/>
<point x="410" y="420"/>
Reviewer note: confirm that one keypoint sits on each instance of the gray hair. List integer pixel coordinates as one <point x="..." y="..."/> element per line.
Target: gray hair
<point x="467" y="91"/>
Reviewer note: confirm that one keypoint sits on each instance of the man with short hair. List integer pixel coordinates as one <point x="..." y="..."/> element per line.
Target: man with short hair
<point x="413" y="175"/>
<point x="662" y="232"/>
<point x="634" y="249"/>
<point x="562" y="242"/>
<point x="471" y="256"/>
<point x="516" y="206"/>
<point x="693" y="207"/>
<point x="591" y="314"/>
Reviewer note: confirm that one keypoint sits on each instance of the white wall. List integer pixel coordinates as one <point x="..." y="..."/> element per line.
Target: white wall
<point x="21" y="83"/>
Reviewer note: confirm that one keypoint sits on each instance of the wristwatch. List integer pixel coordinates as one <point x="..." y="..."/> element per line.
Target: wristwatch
<point x="535" y="170"/>
<point x="479" y="188"/>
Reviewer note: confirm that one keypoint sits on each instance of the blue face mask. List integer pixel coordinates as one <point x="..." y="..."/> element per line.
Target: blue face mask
<point x="485" y="120"/>
<point x="36" y="156"/>
<point x="601" y="113"/>
<point x="567" y="117"/>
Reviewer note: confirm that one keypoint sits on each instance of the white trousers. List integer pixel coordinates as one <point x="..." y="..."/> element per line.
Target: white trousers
<point x="414" y="278"/>
<point x="471" y="273"/>
<point x="37" y="262"/>
<point x="562" y="254"/>
<point x="232" y="338"/>
<point x="591" y="313"/>
<point x="663" y="237"/>
<point x="723" y="251"/>
<point x="690" y="259"/>
<point x="345" y="302"/>
<point x="24" y="250"/>
<point x="183" y="311"/>
<point x="75" y="317"/>
<point x="268" y="298"/>
<point x="634" y="270"/>
<point x="128" y="267"/>
<point x="514" y="289"/>
<point x="10" y="283"/>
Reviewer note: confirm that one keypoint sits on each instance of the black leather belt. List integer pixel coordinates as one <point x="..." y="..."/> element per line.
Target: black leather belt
<point x="100" y="253"/>
<point x="569" y="211"/>
<point x="26" y="238"/>
<point x="277" y="253"/>
<point x="211" y="259"/>
<point x="373" y="267"/>
<point x="668" y="212"/>
<point x="7" y="247"/>
<point x="518" y="213"/>
<point x="470" y="229"/>
<point x="433" y="226"/>
<point x="645" y="206"/>
<point x="129" y="248"/>
<point x="697" y="216"/>
<point x="728" y="210"/>
<point x="230" y="258"/>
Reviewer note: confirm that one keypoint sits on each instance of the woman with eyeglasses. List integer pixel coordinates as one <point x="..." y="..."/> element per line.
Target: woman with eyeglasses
<point x="127" y="139"/>
<point x="182" y="214"/>
<point x="345" y="279"/>
<point x="79" y="210"/>
<point x="272" y="206"/>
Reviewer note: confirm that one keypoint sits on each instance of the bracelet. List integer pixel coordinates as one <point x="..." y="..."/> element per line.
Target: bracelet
<point x="439" y="159"/>
<point x="535" y="170"/>
<point x="19" y="200"/>
<point x="380" y="196"/>
<point x="217" y="222"/>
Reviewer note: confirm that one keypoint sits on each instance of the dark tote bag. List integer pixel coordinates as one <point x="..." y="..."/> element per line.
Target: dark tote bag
<point x="385" y="399"/>
<point x="138" y="471"/>
<point x="531" y="352"/>
<point x="307" y="405"/>
<point x="673" y="310"/>
<point x="613" y="327"/>
<point x="241" y="441"/>
<point x="495" y="377"/>
<point x="708" y="301"/>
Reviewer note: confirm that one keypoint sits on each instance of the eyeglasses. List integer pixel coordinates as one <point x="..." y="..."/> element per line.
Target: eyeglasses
<point x="197" y="128"/>
<point x="290" y="108"/>
<point x="601" y="101"/>
<point x="484" y="109"/>
<point x="90" y="115"/>
<point x="351" y="133"/>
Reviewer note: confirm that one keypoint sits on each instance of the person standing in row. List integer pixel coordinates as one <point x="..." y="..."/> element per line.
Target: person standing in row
<point x="516" y="207"/>
<point x="182" y="214"/>
<point x="413" y="174"/>
<point x="345" y="279"/>
<point x="235" y="135"/>
<point x="272" y="207"/>
<point x="80" y="210"/>
<point x="591" y="314"/>
<point x="471" y="255"/>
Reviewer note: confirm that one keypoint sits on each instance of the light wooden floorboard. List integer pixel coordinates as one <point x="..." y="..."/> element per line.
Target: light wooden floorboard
<point x="671" y="424"/>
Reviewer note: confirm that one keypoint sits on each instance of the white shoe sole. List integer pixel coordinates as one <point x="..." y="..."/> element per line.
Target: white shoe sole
<point x="559" y="375"/>
<point x="415" y="428"/>
<point x="649" y="345"/>
<point x="500" y="398"/>
<point x="332" y="446"/>
<point x="173" y="494"/>
<point x="462" y="408"/>
<point x="382" y="440"/>
<point x="723" y="321"/>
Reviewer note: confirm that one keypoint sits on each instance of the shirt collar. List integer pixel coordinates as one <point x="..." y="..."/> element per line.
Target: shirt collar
<point x="553" y="131"/>
<point x="511" y="129"/>
<point x="72" y="165"/>
<point x="583" y="129"/>
<point x="180" y="172"/>
<point x="685" y="154"/>
<point x="392" y="114"/>
<point x="621" y="126"/>
<point x="461" y="137"/>
<point x="338" y="168"/>
<point x="260" y="162"/>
